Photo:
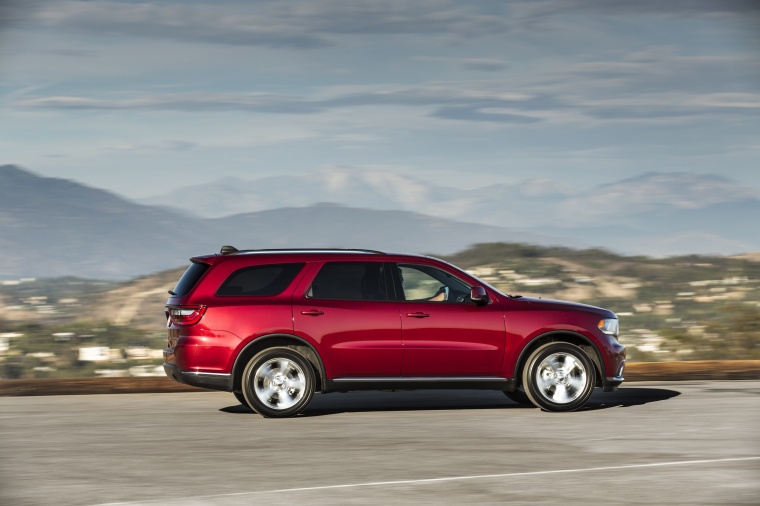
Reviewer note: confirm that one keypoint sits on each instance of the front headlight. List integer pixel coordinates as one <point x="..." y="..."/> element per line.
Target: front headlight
<point x="609" y="326"/>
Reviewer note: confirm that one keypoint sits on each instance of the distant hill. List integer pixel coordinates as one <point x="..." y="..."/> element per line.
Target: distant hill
<point x="657" y="214"/>
<point x="53" y="227"/>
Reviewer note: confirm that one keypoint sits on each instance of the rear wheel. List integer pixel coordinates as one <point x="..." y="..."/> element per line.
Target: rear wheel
<point x="559" y="377"/>
<point x="278" y="382"/>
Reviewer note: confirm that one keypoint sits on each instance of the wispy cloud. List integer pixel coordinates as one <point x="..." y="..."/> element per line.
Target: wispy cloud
<point x="477" y="64"/>
<point x="484" y="104"/>
<point x="167" y="145"/>
<point x="296" y="23"/>
<point x="535" y="11"/>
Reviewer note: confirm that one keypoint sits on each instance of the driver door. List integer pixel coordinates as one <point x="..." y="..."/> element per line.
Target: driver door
<point x="444" y="333"/>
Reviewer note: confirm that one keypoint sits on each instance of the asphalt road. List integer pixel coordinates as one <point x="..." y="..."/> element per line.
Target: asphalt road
<point x="686" y="443"/>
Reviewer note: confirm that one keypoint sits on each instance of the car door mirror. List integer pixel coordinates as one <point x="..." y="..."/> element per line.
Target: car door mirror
<point x="479" y="295"/>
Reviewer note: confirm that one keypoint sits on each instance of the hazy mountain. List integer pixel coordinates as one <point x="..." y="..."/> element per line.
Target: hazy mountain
<point x="654" y="195"/>
<point x="654" y="214"/>
<point x="55" y="227"/>
<point x="500" y="205"/>
<point x="531" y="203"/>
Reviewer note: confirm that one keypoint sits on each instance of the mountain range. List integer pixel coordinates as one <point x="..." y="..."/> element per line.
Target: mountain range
<point x="56" y="227"/>
<point x="657" y="214"/>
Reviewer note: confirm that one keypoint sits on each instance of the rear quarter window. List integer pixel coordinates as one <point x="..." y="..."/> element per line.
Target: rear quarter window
<point x="260" y="280"/>
<point x="189" y="279"/>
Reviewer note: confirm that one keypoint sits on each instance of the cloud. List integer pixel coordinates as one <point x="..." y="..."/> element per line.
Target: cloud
<point x="680" y="7"/>
<point x="489" y="114"/>
<point x="661" y="68"/>
<point x="451" y="103"/>
<point x="534" y="11"/>
<point x="295" y="23"/>
<point x="167" y="145"/>
<point x="310" y="24"/>
<point x="436" y="101"/>
<point x="476" y="64"/>
<point x="197" y="102"/>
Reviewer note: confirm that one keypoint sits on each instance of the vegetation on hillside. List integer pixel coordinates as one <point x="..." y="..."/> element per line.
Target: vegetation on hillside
<point x="677" y="308"/>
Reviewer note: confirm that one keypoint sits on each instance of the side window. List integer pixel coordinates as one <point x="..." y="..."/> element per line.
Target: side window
<point x="189" y="279"/>
<point x="260" y="281"/>
<point x="424" y="283"/>
<point x="350" y="281"/>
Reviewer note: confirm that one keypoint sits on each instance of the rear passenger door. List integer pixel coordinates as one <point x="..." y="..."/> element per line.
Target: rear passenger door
<point x="345" y="306"/>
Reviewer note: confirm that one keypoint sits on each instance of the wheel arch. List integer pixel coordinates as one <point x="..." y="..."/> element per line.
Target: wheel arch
<point x="562" y="336"/>
<point x="259" y="344"/>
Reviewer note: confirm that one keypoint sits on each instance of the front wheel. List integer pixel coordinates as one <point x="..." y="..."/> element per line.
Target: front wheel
<point x="559" y="377"/>
<point x="278" y="382"/>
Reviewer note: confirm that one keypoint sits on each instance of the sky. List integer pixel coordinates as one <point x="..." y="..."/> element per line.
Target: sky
<point x="144" y="97"/>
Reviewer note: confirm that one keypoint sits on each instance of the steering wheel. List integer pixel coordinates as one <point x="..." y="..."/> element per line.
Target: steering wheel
<point x="442" y="290"/>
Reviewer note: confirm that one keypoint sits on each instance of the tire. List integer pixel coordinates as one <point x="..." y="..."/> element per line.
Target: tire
<point x="278" y="383"/>
<point x="559" y="377"/>
<point x="519" y="396"/>
<point x="241" y="399"/>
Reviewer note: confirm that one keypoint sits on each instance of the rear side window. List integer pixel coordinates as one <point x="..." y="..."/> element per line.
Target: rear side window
<point x="189" y="279"/>
<point x="260" y="281"/>
<point x="350" y="281"/>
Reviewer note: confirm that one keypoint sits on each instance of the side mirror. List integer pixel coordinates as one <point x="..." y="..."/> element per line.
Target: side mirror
<point x="479" y="295"/>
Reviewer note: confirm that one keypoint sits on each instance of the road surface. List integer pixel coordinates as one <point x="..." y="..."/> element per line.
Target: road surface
<point x="684" y="443"/>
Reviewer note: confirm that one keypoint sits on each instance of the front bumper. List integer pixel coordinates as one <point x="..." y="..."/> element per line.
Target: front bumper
<point x="612" y="384"/>
<point x="212" y="381"/>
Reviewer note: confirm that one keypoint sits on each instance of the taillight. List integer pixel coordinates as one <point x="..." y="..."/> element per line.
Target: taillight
<point x="186" y="315"/>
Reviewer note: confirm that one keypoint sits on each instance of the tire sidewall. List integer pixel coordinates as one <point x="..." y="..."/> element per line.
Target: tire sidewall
<point x="530" y="373"/>
<point x="256" y="362"/>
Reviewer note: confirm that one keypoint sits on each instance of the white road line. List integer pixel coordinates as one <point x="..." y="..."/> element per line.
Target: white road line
<point x="439" y="480"/>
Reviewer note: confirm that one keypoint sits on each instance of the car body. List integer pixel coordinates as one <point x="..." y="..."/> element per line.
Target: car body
<point x="275" y="326"/>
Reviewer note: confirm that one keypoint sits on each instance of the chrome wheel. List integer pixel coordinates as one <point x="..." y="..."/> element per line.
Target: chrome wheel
<point x="558" y="376"/>
<point x="561" y="378"/>
<point x="279" y="383"/>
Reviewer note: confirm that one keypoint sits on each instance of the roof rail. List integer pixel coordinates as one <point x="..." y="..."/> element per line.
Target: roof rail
<point x="231" y="250"/>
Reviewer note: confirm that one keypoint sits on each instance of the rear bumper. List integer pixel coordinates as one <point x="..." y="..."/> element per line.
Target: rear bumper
<point x="212" y="381"/>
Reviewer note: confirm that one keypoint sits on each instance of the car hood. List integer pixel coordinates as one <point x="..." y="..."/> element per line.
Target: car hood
<point x="563" y="305"/>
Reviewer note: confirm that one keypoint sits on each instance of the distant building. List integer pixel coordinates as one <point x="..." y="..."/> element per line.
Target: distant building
<point x="95" y="354"/>
<point x="141" y="353"/>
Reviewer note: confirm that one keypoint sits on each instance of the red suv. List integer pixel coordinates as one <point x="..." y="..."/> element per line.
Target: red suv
<point x="275" y="326"/>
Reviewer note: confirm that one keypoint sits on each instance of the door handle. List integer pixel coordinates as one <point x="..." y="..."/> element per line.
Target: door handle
<point x="312" y="312"/>
<point x="418" y="314"/>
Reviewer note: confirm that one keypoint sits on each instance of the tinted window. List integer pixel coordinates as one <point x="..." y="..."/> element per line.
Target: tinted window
<point x="189" y="279"/>
<point x="261" y="280"/>
<point x="350" y="280"/>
